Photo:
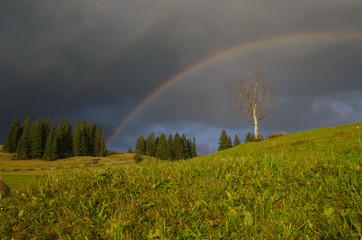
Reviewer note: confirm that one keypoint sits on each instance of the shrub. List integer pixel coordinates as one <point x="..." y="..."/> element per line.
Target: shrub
<point x="138" y="158"/>
<point x="277" y="134"/>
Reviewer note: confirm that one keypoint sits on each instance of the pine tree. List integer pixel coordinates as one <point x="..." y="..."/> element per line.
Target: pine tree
<point x="99" y="143"/>
<point x="170" y="147"/>
<point x="130" y="150"/>
<point x="224" y="141"/>
<point x="12" y="137"/>
<point x="77" y="140"/>
<point x="151" y="145"/>
<point x="89" y="136"/>
<point x="68" y="139"/>
<point x="193" y="148"/>
<point x="236" y="140"/>
<point x="51" y="147"/>
<point x="162" y="151"/>
<point x="45" y="132"/>
<point x="23" y="148"/>
<point x="141" y="146"/>
<point x="36" y="139"/>
<point x="178" y="147"/>
<point x="249" y="137"/>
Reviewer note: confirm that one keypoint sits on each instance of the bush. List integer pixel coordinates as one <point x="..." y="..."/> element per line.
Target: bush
<point x="277" y="134"/>
<point x="138" y="158"/>
<point x="92" y="162"/>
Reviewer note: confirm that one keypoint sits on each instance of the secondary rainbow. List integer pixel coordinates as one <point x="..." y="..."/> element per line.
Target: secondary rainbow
<point x="228" y="52"/>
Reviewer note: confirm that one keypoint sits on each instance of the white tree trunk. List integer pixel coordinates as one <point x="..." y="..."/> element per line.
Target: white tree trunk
<point x="255" y="123"/>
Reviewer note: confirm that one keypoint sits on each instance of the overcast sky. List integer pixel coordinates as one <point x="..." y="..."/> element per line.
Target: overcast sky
<point x="98" y="60"/>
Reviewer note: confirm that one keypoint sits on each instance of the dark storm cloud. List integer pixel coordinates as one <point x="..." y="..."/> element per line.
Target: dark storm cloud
<point x="49" y="52"/>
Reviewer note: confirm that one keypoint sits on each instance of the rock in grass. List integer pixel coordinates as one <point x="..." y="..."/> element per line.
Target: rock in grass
<point x="4" y="190"/>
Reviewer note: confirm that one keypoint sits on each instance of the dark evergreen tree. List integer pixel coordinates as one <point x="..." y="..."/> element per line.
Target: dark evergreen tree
<point x="12" y="137"/>
<point x="229" y="143"/>
<point x="170" y="147"/>
<point x="130" y="150"/>
<point x="236" y="140"/>
<point x="76" y="140"/>
<point x="185" y="147"/>
<point x="249" y="137"/>
<point x="36" y="139"/>
<point x="178" y="146"/>
<point x="51" y="147"/>
<point x="162" y="151"/>
<point x="99" y="142"/>
<point x="224" y="141"/>
<point x="60" y="139"/>
<point x="68" y="139"/>
<point x="141" y="146"/>
<point x="89" y="136"/>
<point x="151" y="145"/>
<point x="45" y="131"/>
<point x="23" y="147"/>
<point x="193" y="148"/>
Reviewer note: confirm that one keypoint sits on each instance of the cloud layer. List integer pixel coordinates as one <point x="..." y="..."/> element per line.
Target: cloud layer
<point x="97" y="60"/>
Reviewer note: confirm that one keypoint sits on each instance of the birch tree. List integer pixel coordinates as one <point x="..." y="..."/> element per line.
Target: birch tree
<point x="254" y="96"/>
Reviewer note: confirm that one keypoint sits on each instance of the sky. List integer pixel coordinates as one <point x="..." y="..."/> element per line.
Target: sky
<point x="137" y="67"/>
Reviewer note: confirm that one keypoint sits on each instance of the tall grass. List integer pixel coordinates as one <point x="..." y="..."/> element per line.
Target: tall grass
<point x="305" y="185"/>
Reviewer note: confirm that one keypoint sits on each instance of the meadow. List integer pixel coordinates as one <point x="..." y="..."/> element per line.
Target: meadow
<point x="305" y="185"/>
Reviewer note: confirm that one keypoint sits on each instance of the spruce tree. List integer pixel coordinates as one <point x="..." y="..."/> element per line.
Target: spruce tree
<point x="12" y="137"/>
<point x="51" y="147"/>
<point x="76" y="140"/>
<point x="23" y="147"/>
<point x="224" y="141"/>
<point x="45" y="132"/>
<point x="68" y="139"/>
<point x="178" y="146"/>
<point x="236" y="140"/>
<point x="162" y="151"/>
<point x="151" y="145"/>
<point x="99" y="142"/>
<point x="170" y="147"/>
<point x="89" y="136"/>
<point x="249" y="137"/>
<point x="193" y="148"/>
<point x="141" y="146"/>
<point x="36" y="139"/>
<point x="130" y="150"/>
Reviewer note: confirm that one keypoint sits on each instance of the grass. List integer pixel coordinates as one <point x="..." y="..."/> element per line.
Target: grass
<point x="16" y="179"/>
<point x="305" y="185"/>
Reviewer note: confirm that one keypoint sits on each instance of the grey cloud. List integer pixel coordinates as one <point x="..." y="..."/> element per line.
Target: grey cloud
<point x="52" y="54"/>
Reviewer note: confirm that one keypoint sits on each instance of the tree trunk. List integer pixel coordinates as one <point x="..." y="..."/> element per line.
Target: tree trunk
<point x="255" y="124"/>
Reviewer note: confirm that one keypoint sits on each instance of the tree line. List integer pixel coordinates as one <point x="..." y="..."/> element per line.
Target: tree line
<point x="175" y="147"/>
<point x="40" y="140"/>
<point x="225" y="141"/>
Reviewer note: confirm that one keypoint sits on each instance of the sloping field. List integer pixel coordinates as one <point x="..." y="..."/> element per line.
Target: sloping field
<point x="305" y="185"/>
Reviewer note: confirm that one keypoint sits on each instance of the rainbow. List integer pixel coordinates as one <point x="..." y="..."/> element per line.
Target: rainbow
<point x="228" y="52"/>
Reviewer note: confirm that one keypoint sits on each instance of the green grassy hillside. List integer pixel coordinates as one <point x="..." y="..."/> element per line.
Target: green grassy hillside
<point x="305" y="185"/>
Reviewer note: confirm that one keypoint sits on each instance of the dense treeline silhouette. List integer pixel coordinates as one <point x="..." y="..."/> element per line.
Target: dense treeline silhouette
<point x="40" y="140"/>
<point x="175" y="147"/>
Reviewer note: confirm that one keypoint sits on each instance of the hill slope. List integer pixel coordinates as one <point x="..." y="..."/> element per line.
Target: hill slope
<point x="306" y="184"/>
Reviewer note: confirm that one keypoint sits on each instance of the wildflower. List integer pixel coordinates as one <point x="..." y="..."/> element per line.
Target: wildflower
<point x="133" y="202"/>
<point x="281" y="204"/>
<point x="357" y="127"/>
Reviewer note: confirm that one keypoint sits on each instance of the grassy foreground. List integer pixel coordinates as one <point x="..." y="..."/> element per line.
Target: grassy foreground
<point x="305" y="185"/>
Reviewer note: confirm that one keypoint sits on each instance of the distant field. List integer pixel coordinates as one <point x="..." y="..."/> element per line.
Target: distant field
<point x="15" y="179"/>
<point x="305" y="185"/>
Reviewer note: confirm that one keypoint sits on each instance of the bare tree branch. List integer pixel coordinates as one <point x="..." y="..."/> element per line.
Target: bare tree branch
<point x="254" y="96"/>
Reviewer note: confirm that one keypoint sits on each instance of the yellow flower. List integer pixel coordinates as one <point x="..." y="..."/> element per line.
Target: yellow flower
<point x="357" y="127"/>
